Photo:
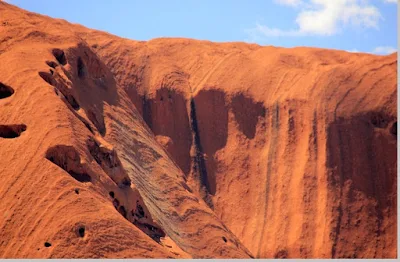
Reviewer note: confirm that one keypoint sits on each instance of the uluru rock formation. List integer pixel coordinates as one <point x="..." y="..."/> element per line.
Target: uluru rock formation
<point x="178" y="148"/>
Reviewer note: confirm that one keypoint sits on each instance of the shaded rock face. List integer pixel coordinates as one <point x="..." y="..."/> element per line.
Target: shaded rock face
<point x="362" y="169"/>
<point x="166" y="114"/>
<point x="178" y="148"/>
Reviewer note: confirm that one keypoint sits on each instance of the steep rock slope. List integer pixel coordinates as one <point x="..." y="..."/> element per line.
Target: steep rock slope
<point x="184" y="148"/>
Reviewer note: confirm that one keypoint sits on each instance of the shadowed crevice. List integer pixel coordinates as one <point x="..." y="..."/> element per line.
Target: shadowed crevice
<point x="5" y="91"/>
<point x="11" y="131"/>
<point x="68" y="159"/>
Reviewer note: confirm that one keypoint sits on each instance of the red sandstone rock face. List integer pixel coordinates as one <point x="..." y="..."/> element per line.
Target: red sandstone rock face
<point x="182" y="148"/>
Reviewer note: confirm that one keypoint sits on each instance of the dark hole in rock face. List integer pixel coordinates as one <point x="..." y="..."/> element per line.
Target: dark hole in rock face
<point x="154" y="232"/>
<point x="225" y="240"/>
<point x="67" y="158"/>
<point x="393" y="129"/>
<point x="47" y="244"/>
<point x="52" y="64"/>
<point x="11" y="131"/>
<point x="81" y="231"/>
<point x="112" y="194"/>
<point x="51" y="71"/>
<point x="81" y="68"/>
<point x="95" y="46"/>
<point x="161" y="99"/>
<point x="281" y="254"/>
<point x="139" y="211"/>
<point x="126" y="182"/>
<point x="77" y="191"/>
<point x="60" y="56"/>
<point x="5" y="91"/>
<point x="81" y="177"/>
<point x="116" y="203"/>
<point x="378" y="120"/>
<point x="47" y="77"/>
<point x="58" y="93"/>
<point x="122" y="211"/>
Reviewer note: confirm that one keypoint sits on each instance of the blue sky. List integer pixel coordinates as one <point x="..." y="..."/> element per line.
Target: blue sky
<point x="352" y="25"/>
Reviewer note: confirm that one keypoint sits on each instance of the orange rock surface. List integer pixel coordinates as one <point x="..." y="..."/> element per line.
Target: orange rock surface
<point x="178" y="148"/>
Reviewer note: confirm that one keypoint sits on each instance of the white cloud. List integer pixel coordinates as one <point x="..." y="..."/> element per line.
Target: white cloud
<point x="384" y="50"/>
<point x="390" y="1"/>
<point x="274" y="32"/>
<point x="289" y="2"/>
<point x="325" y="18"/>
<point x="380" y="50"/>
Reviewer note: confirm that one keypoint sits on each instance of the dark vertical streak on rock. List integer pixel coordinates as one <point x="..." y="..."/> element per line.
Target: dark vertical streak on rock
<point x="271" y="157"/>
<point x="310" y="194"/>
<point x="341" y="183"/>
<point x="199" y="162"/>
<point x="147" y="112"/>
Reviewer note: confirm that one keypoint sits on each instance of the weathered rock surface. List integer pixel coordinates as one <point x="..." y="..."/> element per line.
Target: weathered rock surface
<point x="181" y="148"/>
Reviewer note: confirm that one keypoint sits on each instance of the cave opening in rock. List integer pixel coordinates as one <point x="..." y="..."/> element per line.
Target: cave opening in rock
<point x="52" y="64"/>
<point x="139" y="210"/>
<point x="5" y="91"/>
<point x="281" y="254"/>
<point x="11" y="131"/>
<point x="126" y="182"/>
<point x="81" y="177"/>
<point x="378" y="120"/>
<point x="68" y="159"/>
<point x="60" y="56"/>
<point x="47" y="77"/>
<point x="81" y="231"/>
